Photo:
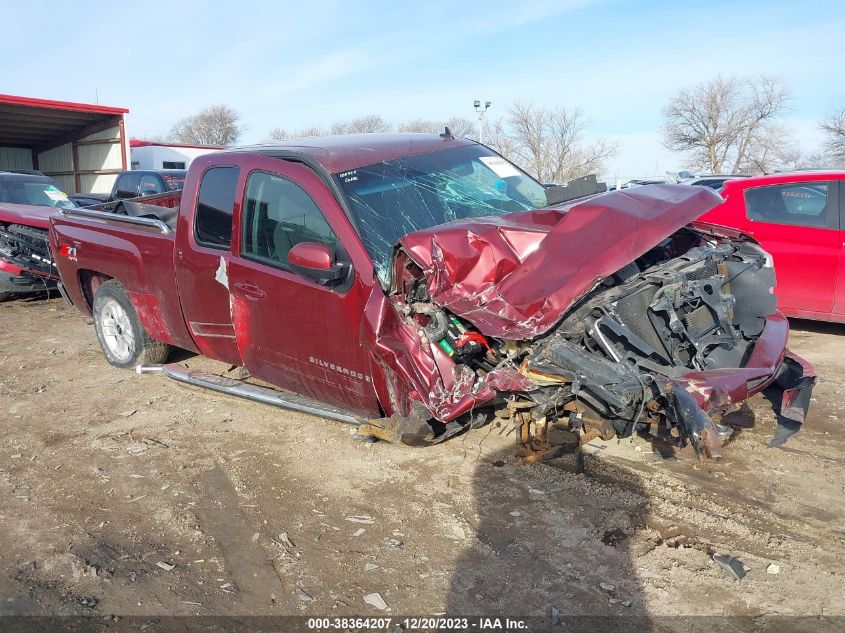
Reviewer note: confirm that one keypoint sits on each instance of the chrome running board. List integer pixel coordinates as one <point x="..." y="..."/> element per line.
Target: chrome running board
<point x="242" y="389"/>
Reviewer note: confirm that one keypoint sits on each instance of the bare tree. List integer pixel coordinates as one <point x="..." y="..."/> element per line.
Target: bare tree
<point x="311" y="130"/>
<point x="729" y="124"/>
<point x="281" y="134"/>
<point x="278" y="134"/>
<point x="496" y="136"/>
<point x="459" y="126"/>
<point x="215" y="125"/>
<point x="834" y="128"/>
<point x="155" y="138"/>
<point x="768" y="149"/>
<point x="545" y="142"/>
<point x="548" y="143"/>
<point x="816" y="160"/>
<point x="362" y="125"/>
<point x="420" y="126"/>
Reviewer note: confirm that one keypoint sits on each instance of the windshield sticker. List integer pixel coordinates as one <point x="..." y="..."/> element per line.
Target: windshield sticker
<point x="349" y="176"/>
<point x="55" y="194"/>
<point x="173" y="183"/>
<point x="499" y="166"/>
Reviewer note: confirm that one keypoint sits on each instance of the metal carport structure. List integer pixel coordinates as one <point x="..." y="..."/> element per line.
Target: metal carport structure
<point x="82" y="146"/>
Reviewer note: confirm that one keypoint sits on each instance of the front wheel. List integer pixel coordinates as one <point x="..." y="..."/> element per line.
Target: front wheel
<point x="123" y="339"/>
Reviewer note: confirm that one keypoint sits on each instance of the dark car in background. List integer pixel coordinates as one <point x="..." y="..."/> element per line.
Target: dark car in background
<point x="135" y="183"/>
<point x="27" y="199"/>
<point x="714" y="181"/>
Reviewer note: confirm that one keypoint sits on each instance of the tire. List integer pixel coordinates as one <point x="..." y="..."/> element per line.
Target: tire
<point x="5" y="296"/>
<point x="123" y="339"/>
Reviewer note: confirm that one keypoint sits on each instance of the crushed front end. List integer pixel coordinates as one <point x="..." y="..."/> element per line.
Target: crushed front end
<point x="663" y="331"/>
<point x="669" y="345"/>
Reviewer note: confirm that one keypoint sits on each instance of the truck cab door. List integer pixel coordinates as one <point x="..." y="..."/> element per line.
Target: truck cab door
<point x="203" y="242"/>
<point x="798" y="223"/>
<point x="293" y="331"/>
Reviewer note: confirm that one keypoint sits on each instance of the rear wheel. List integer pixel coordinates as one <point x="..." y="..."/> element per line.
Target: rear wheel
<point x="123" y="339"/>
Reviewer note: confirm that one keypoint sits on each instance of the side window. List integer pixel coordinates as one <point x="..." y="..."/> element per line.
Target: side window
<point x="278" y="214"/>
<point x="127" y="185"/>
<point x="150" y="185"/>
<point x="215" y="203"/>
<point x="796" y="204"/>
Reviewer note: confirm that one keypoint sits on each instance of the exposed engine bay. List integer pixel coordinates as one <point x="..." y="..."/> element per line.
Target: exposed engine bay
<point x="633" y="355"/>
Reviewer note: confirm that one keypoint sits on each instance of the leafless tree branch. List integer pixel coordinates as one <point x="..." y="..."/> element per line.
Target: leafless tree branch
<point x="834" y="128"/>
<point x="730" y="124"/>
<point x="547" y="143"/>
<point x="214" y="125"/>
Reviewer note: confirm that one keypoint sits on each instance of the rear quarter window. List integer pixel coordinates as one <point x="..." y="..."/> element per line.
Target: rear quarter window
<point x="127" y="185"/>
<point x="795" y="204"/>
<point x="215" y="204"/>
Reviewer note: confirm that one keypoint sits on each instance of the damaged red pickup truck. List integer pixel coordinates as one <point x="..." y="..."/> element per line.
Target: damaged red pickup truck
<point x="419" y="285"/>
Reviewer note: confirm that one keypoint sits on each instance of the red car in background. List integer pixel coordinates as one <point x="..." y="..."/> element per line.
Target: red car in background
<point x="799" y="218"/>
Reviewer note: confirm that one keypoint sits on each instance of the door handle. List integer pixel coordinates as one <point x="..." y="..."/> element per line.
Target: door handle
<point x="251" y="291"/>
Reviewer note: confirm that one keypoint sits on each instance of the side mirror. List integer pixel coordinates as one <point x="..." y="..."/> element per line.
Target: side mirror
<point x="316" y="261"/>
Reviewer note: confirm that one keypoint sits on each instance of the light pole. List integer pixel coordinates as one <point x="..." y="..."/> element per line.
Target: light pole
<point x="481" y="110"/>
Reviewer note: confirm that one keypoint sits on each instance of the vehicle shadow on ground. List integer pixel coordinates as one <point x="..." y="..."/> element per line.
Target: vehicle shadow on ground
<point x="179" y="355"/>
<point x="33" y="297"/>
<point x="549" y="547"/>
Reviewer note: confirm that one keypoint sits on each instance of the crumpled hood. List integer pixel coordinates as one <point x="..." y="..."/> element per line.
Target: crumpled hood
<point x="26" y="214"/>
<point x="513" y="276"/>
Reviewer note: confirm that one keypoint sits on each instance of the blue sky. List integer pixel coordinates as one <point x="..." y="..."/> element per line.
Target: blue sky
<point x="294" y="64"/>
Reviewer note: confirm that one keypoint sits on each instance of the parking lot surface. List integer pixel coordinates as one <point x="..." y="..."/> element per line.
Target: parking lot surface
<point x="126" y="494"/>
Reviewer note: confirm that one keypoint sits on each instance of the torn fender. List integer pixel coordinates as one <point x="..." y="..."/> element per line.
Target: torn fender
<point x="415" y="370"/>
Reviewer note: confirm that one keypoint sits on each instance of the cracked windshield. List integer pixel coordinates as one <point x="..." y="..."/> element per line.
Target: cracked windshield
<point x="393" y="198"/>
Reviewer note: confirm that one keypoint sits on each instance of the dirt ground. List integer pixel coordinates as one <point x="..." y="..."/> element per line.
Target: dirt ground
<point x="126" y="494"/>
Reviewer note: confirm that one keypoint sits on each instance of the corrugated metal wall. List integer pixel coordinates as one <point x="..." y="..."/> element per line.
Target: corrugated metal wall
<point x="56" y="160"/>
<point x="89" y="163"/>
<point x="99" y="157"/>
<point x="15" y="158"/>
<point x="97" y="153"/>
<point x="58" y="163"/>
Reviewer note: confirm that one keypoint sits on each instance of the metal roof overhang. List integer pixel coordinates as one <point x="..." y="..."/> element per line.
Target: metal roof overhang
<point x="42" y="124"/>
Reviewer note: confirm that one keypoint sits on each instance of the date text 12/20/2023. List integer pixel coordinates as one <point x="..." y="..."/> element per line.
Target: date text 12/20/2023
<point x="425" y="623"/>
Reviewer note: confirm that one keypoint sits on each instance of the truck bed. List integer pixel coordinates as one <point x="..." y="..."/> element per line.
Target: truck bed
<point x="137" y="250"/>
<point x="23" y="229"/>
<point x="164" y="207"/>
